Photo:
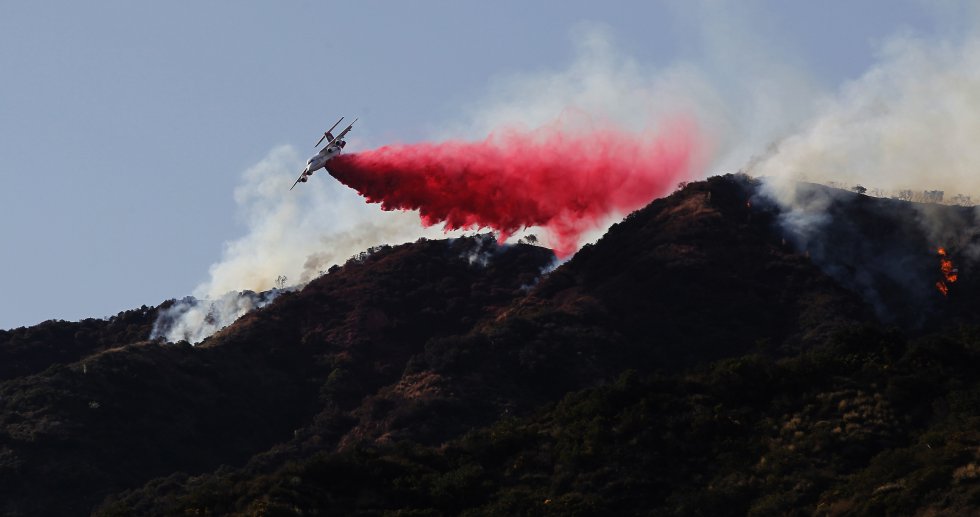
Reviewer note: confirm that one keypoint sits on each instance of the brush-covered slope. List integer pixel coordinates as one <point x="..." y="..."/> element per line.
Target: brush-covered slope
<point x="701" y="358"/>
<point x="79" y="430"/>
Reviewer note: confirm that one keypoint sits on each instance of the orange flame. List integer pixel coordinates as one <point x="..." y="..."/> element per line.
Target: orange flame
<point x="950" y="273"/>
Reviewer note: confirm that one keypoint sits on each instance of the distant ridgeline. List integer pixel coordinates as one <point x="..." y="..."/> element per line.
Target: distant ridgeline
<point x="916" y="196"/>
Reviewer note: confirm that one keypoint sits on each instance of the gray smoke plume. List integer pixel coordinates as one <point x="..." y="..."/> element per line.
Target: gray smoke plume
<point x="907" y="123"/>
<point x="910" y="123"/>
<point x="301" y="234"/>
<point x="193" y="320"/>
<point x="905" y="130"/>
<point x="292" y="237"/>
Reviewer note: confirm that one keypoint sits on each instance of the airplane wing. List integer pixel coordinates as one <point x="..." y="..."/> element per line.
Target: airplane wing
<point x="300" y="178"/>
<point x="326" y="133"/>
<point x="344" y="132"/>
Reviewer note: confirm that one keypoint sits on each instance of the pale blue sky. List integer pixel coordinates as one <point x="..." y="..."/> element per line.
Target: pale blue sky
<point x="125" y="126"/>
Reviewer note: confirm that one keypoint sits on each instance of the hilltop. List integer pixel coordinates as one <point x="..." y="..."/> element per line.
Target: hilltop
<point x="708" y="355"/>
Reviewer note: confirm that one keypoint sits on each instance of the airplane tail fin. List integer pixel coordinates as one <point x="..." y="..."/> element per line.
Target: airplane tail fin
<point x="327" y="135"/>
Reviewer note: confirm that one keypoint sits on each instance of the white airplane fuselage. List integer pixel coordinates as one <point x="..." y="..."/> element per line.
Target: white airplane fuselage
<point x="321" y="158"/>
<point x="335" y="145"/>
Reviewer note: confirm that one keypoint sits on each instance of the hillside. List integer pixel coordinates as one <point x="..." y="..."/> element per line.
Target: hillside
<point x="706" y="356"/>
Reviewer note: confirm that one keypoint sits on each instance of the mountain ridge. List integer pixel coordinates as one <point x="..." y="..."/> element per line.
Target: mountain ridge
<point x="442" y="377"/>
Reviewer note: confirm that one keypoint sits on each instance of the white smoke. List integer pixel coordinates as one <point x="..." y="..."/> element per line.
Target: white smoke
<point x="193" y="320"/>
<point x="741" y="94"/>
<point x="300" y="234"/>
<point x="907" y="123"/>
<point x="291" y="238"/>
<point x="740" y="91"/>
<point x="906" y="128"/>
<point x="911" y="122"/>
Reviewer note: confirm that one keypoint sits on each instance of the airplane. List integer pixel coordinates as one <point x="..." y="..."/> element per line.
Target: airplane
<point x="335" y="144"/>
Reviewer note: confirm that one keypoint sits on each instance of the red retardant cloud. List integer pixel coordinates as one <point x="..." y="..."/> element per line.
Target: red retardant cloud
<point x="566" y="183"/>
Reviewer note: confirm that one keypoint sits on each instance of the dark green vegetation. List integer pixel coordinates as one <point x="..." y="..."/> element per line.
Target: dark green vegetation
<point x="698" y="360"/>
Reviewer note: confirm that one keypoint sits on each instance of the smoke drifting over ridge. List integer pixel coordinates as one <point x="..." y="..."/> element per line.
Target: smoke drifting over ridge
<point x="906" y="128"/>
<point x="299" y="234"/>
<point x="296" y="235"/>
<point x="908" y="122"/>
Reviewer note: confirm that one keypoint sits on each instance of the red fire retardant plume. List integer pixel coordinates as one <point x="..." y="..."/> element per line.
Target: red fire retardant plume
<point x="566" y="183"/>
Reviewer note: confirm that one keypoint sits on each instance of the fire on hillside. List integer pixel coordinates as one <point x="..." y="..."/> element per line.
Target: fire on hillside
<point x="949" y="271"/>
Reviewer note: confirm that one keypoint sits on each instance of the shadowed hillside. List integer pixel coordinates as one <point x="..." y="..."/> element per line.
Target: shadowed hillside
<point x="706" y="356"/>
